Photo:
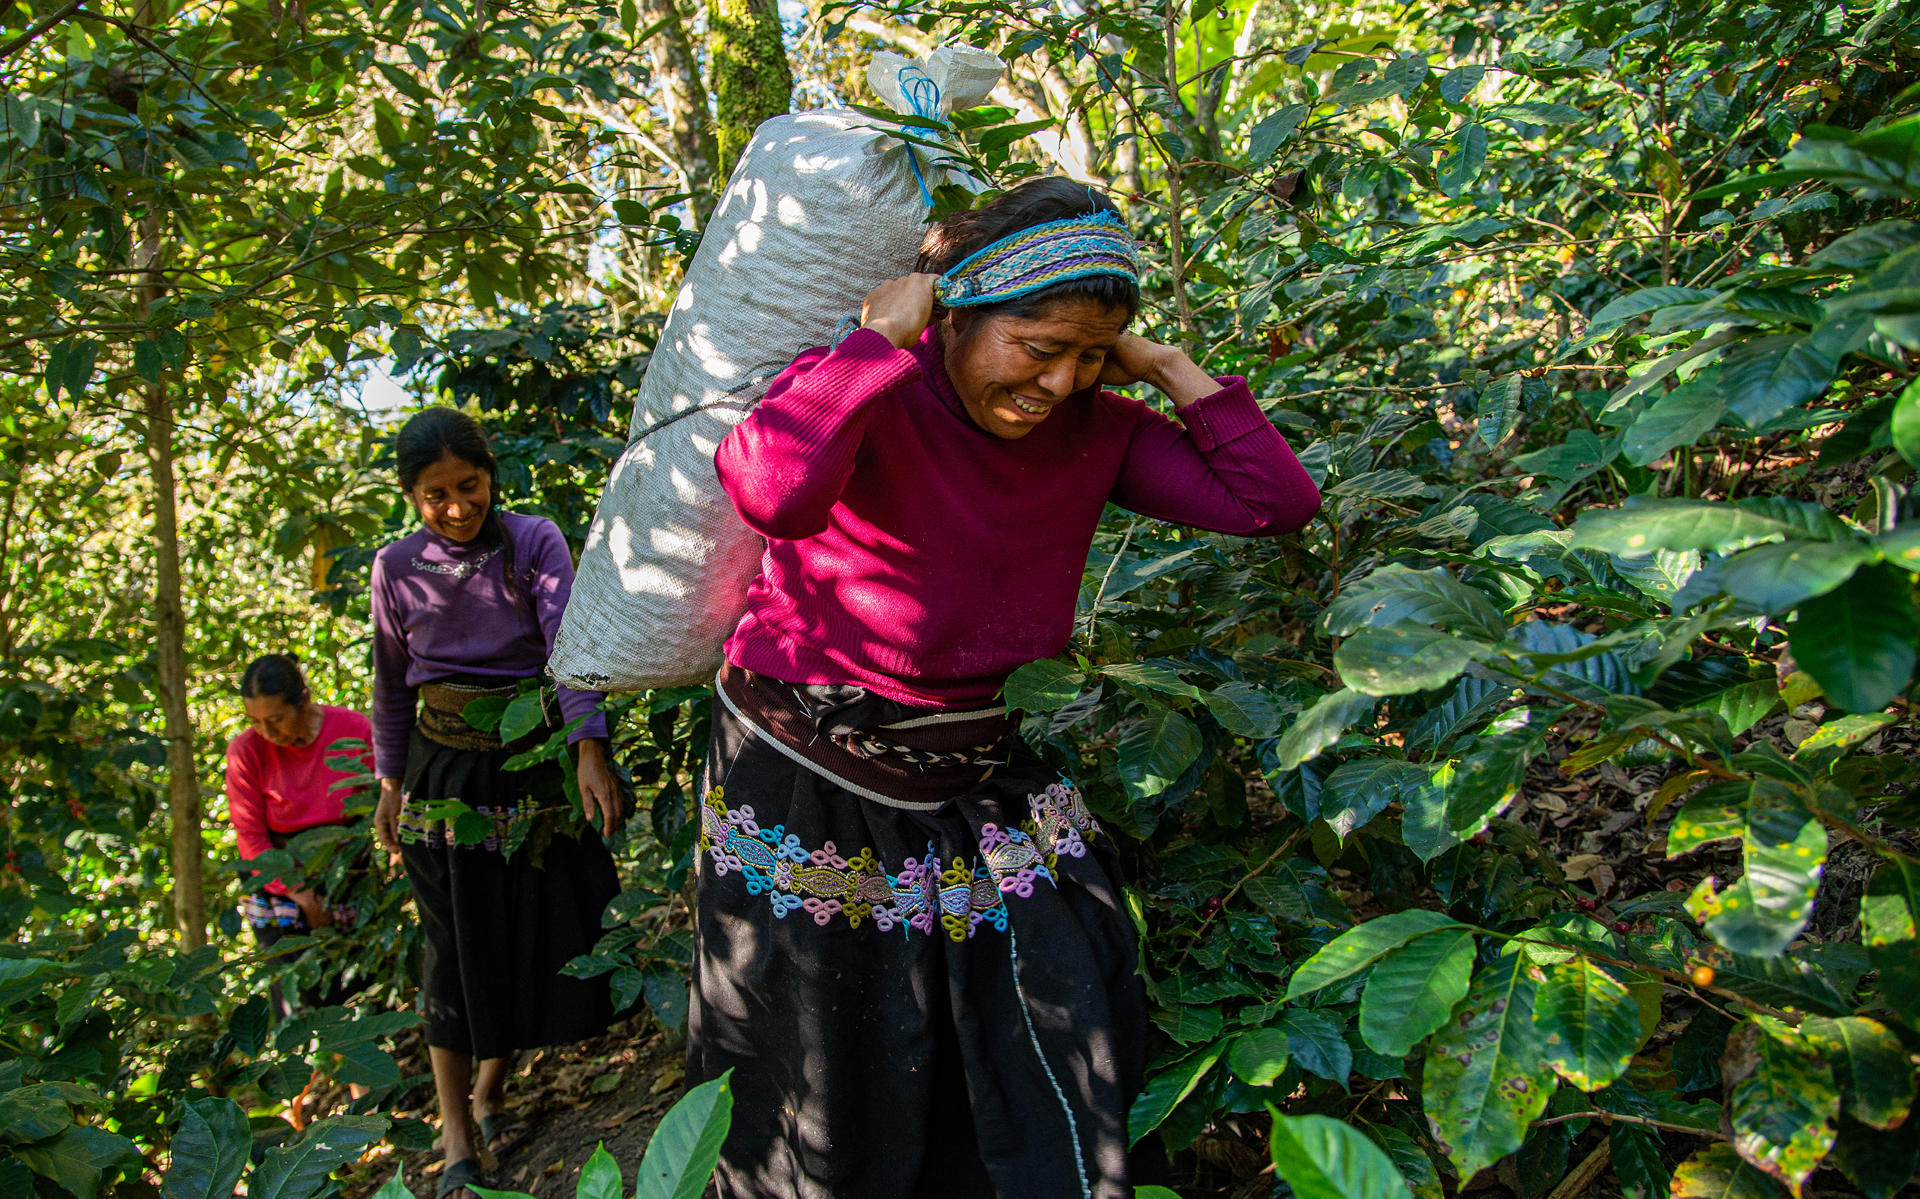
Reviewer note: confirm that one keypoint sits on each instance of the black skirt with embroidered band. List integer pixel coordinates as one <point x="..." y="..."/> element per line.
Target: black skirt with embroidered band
<point x="499" y="926"/>
<point x="923" y="979"/>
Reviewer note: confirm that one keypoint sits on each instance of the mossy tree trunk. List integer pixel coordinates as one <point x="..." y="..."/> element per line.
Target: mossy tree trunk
<point x="751" y="77"/>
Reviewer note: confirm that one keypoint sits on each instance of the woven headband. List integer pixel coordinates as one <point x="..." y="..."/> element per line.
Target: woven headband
<point x="1040" y="256"/>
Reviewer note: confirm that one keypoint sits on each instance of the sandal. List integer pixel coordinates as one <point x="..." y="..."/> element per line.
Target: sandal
<point x="501" y="1127"/>
<point x="460" y="1175"/>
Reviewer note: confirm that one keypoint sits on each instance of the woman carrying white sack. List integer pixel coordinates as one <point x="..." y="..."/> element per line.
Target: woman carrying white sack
<point x="913" y="951"/>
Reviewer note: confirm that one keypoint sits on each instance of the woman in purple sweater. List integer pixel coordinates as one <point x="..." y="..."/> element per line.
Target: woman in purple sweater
<point x="913" y="950"/>
<point x="464" y="609"/>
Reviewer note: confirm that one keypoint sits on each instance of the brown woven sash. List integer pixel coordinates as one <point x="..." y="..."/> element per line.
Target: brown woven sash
<point x="442" y="719"/>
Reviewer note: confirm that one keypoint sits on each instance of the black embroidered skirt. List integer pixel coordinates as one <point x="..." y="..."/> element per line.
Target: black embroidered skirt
<point x="916" y="998"/>
<point x="500" y="926"/>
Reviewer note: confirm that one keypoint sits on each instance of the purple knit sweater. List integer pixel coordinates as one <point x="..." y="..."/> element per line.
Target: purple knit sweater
<point x="441" y="609"/>
<point x="913" y="553"/>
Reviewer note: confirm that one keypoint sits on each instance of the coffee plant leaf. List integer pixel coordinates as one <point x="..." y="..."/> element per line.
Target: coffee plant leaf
<point x="1858" y="640"/>
<point x="1166" y="1087"/>
<point x="1782" y="1103"/>
<point x="1880" y="1165"/>
<point x="1869" y="1063"/>
<point x="1322" y="1158"/>
<point x="1486" y="1076"/>
<point x="1156" y="750"/>
<point x="1044" y="686"/>
<point x="1358" y="791"/>
<point x="1678" y="418"/>
<point x="1403" y="659"/>
<point x="1768" y="375"/>
<point x="1244" y="709"/>
<point x="1360" y="947"/>
<point x="1648" y="299"/>
<point x="1890" y="929"/>
<point x="1637" y="1165"/>
<point x="1395" y="595"/>
<point x="1259" y="1057"/>
<point x="1413" y="989"/>
<point x="1717" y="1172"/>
<point x="1317" y="728"/>
<point x="1906" y="423"/>
<point x="302" y="1169"/>
<point x="1785" y="850"/>
<point x="1588" y="1022"/>
<point x="1640" y="529"/>
<point x="210" y="1150"/>
<point x="684" y="1149"/>
<point x="1782" y="575"/>
<point x="1316" y="1042"/>
<point x="1484" y="781"/>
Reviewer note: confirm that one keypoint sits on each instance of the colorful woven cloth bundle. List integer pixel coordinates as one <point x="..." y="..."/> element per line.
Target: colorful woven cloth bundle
<point x="1041" y="256"/>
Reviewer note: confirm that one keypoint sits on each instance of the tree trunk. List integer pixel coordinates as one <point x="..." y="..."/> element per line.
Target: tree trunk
<point x="684" y="98"/>
<point x="170" y="636"/>
<point x="169" y="615"/>
<point x="751" y="78"/>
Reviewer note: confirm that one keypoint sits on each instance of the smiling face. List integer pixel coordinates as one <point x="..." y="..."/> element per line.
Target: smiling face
<point x="452" y="497"/>
<point x="1011" y="371"/>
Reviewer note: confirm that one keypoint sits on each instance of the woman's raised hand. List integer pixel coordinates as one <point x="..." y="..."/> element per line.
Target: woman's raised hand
<point x="1134" y="359"/>
<point x="899" y="309"/>
<point x="599" y="793"/>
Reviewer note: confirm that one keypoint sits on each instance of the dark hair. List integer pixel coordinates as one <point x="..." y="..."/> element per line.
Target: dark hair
<point x="439" y="433"/>
<point x="277" y="675"/>
<point x="1033" y="203"/>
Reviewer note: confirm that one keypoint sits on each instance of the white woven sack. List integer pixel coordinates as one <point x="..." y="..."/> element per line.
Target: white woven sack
<point x="823" y="207"/>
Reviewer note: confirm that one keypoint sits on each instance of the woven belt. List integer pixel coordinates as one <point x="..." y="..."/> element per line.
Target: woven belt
<point x="920" y="762"/>
<point x="442" y="714"/>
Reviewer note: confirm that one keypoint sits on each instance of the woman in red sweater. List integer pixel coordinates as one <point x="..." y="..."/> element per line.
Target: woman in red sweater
<point x="913" y="951"/>
<point x="284" y="775"/>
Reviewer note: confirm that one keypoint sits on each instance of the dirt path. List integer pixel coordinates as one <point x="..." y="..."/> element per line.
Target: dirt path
<point x="611" y="1090"/>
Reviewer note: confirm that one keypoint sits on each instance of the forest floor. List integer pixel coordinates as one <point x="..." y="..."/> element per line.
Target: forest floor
<point x="610" y="1090"/>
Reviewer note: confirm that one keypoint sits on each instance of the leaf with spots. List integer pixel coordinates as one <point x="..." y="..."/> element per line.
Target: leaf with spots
<point x="1717" y="1172"/>
<point x="1588" y="1021"/>
<point x="1869" y="1063"/>
<point x="1890" y="927"/>
<point x="1781" y="1099"/>
<point x="1413" y="990"/>
<point x="1486" y="1076"/>
<point x="1786" y="849"/>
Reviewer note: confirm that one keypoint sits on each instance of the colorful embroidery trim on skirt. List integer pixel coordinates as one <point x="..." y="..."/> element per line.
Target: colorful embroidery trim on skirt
<point x="959" y="895"/>
<point x="264" y="909"/>
<point x="417" y="829"/>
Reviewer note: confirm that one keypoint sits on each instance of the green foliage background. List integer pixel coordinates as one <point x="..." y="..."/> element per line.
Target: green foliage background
<point x="1541" y="818"/>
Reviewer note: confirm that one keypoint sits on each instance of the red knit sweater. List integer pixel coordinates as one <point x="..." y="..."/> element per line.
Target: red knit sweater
<point x="913" y="553"/>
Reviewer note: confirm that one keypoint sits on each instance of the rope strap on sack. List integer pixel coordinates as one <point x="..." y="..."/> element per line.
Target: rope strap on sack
<point x="922" y="95"/>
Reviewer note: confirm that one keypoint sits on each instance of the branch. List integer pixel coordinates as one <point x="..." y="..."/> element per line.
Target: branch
<point x="8" y="50"/>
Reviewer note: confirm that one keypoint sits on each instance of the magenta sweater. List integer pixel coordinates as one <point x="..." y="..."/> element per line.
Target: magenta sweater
<point x="441" y="610"/>
<point x="913" y="553"/>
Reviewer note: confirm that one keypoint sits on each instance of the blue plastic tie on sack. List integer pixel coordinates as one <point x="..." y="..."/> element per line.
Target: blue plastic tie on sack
<point x="847" y="325"/>
<point x="922" y="95"/>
